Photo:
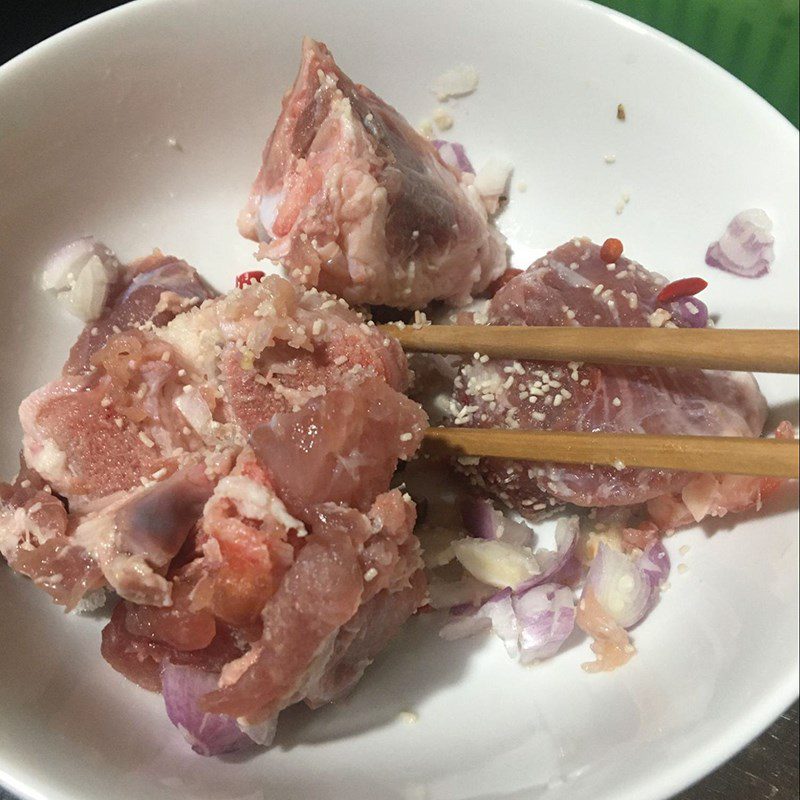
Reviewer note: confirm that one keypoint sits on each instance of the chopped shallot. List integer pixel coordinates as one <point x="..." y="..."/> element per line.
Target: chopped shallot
<point x="627" y="588"/>
<point x="495" y="562"/>
<point x="454" y="155"/>
<point x="208" y="734"/>
<point x="81" y="274"/>
<point x="532" y="624"/>
<point x="553" y="563"/>
<point x="491" y="181"/>
<point x="745" y="248"/>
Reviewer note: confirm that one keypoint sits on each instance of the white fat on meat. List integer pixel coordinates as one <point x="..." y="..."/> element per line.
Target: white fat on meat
<point x="573" y="286"/>
<point x="350" y="197"/>
<point x="255" y="501"/>
<point x="45" y="457"/>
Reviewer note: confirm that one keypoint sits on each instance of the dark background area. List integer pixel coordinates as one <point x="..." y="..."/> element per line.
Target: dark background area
<point x="768" y="768"/>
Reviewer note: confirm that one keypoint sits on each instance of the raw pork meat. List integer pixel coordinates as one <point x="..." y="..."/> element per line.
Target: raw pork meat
<point x="572" y="285"/>
<point x="351" y="199"/>
<point x="225" y="468"/>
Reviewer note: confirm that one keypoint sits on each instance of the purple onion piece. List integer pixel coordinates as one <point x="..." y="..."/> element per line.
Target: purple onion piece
<point x="655" y="563"/>
<point x="532" y="624"/>
<point x="500" y="611"/>
<point x="454" y="155"/>
<point x="746" y="246"/>
<point x="208" y="734"/>
<point x="545" y="617"/>
<point x="555" y="563"/>
<point x="620" y="585"/>
<point x="70" y="259"/>
<point x="480" y="519"/>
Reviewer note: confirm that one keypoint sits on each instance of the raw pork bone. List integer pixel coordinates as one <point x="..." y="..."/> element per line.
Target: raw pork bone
<point x="573" y="286"/>
<point x="283" y="566"/>
<point x="89" y="439"/>
<point x="147" y="410"/>
<point x="351" y="199"/>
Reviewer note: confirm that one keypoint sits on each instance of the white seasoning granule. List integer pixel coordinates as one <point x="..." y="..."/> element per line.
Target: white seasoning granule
<point x="339" y="360"/>
<point x="538" y="416"/>
<point x="316" y="328"/>
<point x="557" y="400"/>
<point x="159" y="473"/>
<point x="166" y="355"/>
<point x="684" y="549"/>
<point x="409" y="717"/>
<point x="659" y="317"/>
<point x="616" y="402"/>
<point x="443" y="119"/>
<point x="406" y="437"/>
<point x="683" y="568"/>
<point x="146" y="440"/>
<point x="34" y="508"/>
<point x="181" y="373"/>
<point x="118" y="421"/>
<point x="598" y="289"/>
<point x="94" y="331"/>
<point x="370" y="574"/>
<point x="105" y="402"/>
<point x="692" y="308"/>
<point x="609" y="159"/>
<point x="26" y="484"/>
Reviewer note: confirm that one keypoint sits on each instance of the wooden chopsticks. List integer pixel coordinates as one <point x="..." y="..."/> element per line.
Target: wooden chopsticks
<point x="701" y="348"/>
<point x="706" y="348"/>
<point x="721" y="454"/>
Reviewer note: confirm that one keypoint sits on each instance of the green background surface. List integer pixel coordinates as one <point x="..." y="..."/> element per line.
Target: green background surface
<point x="756" y="40"/>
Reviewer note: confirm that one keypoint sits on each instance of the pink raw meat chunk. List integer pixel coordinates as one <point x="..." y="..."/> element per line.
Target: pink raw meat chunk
<point x="573" y="286"/>
<point x="306" y="453"/>
<point x="317" y="604"/>
<point x="224" y="467"/>
<point x="351" y="199"/>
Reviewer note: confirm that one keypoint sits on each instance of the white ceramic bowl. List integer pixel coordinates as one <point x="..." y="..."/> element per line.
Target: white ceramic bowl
<point x="84" y="129"/>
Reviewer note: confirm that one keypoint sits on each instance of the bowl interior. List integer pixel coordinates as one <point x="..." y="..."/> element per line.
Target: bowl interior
<point x="85" y="131"/>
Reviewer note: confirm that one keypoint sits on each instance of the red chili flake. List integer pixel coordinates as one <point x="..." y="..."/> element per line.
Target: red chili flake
<point x="610" y="251"/>
<point x="246" y="278"/>
<point x="685" y="287"/>
<point x="498" y="283"/>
